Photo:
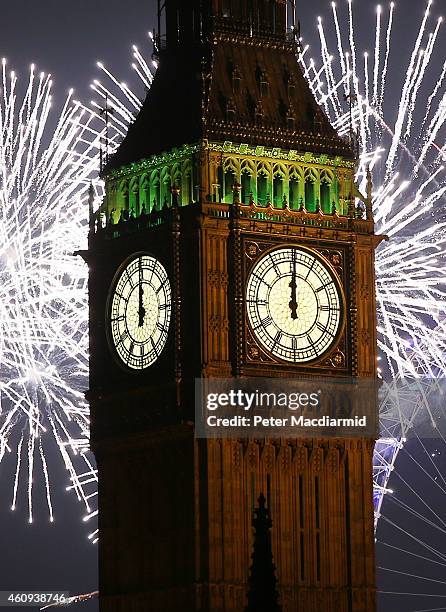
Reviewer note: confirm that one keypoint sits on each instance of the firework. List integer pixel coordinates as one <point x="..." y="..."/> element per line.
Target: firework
<point x="44" y="219"/>
<point x="44" y="174"/>
<point x="403" y="145"/>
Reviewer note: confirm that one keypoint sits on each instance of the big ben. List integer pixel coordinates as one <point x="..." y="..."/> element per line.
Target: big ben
<point x="230" y="245"/>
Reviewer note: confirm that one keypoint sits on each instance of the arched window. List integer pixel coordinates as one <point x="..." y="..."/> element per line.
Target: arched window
<point x="145" y="194"/>
<point x="246" y="187"/>
<point x="229" y="184"/>
<point x="220" y="180"/>
<point x="262" y="189"/>
<point x="154" y="194"/>
<point x="278" y="191"/>
<point x="325" y="197"/>
<point x="310" y="199"/>
<point x="185" y="189"/>
<point x="123" y="196"/>
<point x="134" y="199"/>
<point x="294" y="194"/>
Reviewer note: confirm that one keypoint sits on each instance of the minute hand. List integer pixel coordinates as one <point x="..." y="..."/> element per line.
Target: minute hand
<point x="293" y="286"/>
<point x="141" y="309"/>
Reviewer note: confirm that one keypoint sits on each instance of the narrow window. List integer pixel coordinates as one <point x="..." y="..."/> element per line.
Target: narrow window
<point x="318" y="526"/>
<point x="268" y="491"/>
<point x="301" y="529"/>
<point x="246" y="187"/>
<point x="229" y="184"/>
<point x="278" y="192"/>
<point x="325" y="197"/>
<point x="262" y="186"/>
<point x="310" y="203"/>
<point x="294" y="194"/>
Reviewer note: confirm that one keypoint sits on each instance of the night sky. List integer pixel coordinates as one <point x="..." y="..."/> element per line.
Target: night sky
<point x="66" y="39"/>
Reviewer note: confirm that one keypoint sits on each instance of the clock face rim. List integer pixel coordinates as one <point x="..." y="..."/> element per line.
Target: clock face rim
<point x="108" y="311"/>
<point x="339" y="290"/>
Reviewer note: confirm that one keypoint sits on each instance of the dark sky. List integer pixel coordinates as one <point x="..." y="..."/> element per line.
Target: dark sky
<point x="66" y="38"/>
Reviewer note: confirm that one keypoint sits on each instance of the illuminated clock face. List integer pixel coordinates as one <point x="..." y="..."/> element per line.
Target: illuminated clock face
<point x="139" y="312"/>
<point x="293" y="303"/>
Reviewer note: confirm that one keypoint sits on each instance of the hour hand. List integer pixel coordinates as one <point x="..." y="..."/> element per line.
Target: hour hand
<point x="293" y="301"/>
<point x="293" y="287"/>
<point x="141" y="309"/>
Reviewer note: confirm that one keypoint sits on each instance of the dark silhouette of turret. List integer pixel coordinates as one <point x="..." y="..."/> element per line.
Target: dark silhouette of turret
<point x="262" y="595"/>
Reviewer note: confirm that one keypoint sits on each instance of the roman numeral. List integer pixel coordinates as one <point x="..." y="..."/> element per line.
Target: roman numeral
<point x="123" y="337"/>
<point x="121" y="297"/>
<point x="154" y="346"/>
<point x="329" y="309"/>
<point x="259" y="278"/>
<point x="310" y="343"/>
<point x="273" y="262"/>
<point x="266" y="322"/>
<point x="310" y="269"/>
<point x="130" y="279"/>
<point x="278" y="337"/>
<point x="324" y="287"/>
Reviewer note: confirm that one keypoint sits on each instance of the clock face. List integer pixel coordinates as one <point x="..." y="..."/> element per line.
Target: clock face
<point x="139" y="312"/>
<point x="294" y="305"/>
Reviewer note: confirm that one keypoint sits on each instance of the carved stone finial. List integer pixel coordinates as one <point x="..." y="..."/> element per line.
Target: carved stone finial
<point x="262" y="593"/>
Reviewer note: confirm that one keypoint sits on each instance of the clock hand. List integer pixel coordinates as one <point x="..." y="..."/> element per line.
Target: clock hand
<point x="293" y="286"/>
<point x="141" y="309"/>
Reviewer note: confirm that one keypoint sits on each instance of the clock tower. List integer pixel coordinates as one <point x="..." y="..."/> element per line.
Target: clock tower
<point x="229" y="245"/>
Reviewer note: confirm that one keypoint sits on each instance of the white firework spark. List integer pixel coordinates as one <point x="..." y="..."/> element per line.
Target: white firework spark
<point x="44" y="219"/>
<point x="404" y="146"/>
<point x="44" y="175"/>
<point x="410" y="186"/>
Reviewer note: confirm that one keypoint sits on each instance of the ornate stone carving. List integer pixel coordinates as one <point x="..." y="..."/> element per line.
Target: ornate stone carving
<point x="316" y="459"/>
<point x="216" y="278"/>
<point x="333" y="461"/>
<point x="252" y="249"/>
<point x="364" y="335"/>
<point x="218" y="323"/>
<point x="253" y="352"/>
<point x="301" y="459"/>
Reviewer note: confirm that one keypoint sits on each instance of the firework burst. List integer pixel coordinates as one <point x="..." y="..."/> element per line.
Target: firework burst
<point x="44" y="173"/>
<point x="44" y="220"/>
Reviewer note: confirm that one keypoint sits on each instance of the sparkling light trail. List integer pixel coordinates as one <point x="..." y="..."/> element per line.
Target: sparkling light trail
<point x="44" y="219"/>
<point x="44" y="174"/>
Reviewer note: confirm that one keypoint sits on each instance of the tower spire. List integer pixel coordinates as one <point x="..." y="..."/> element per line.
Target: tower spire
<point x="262" y="596"/>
